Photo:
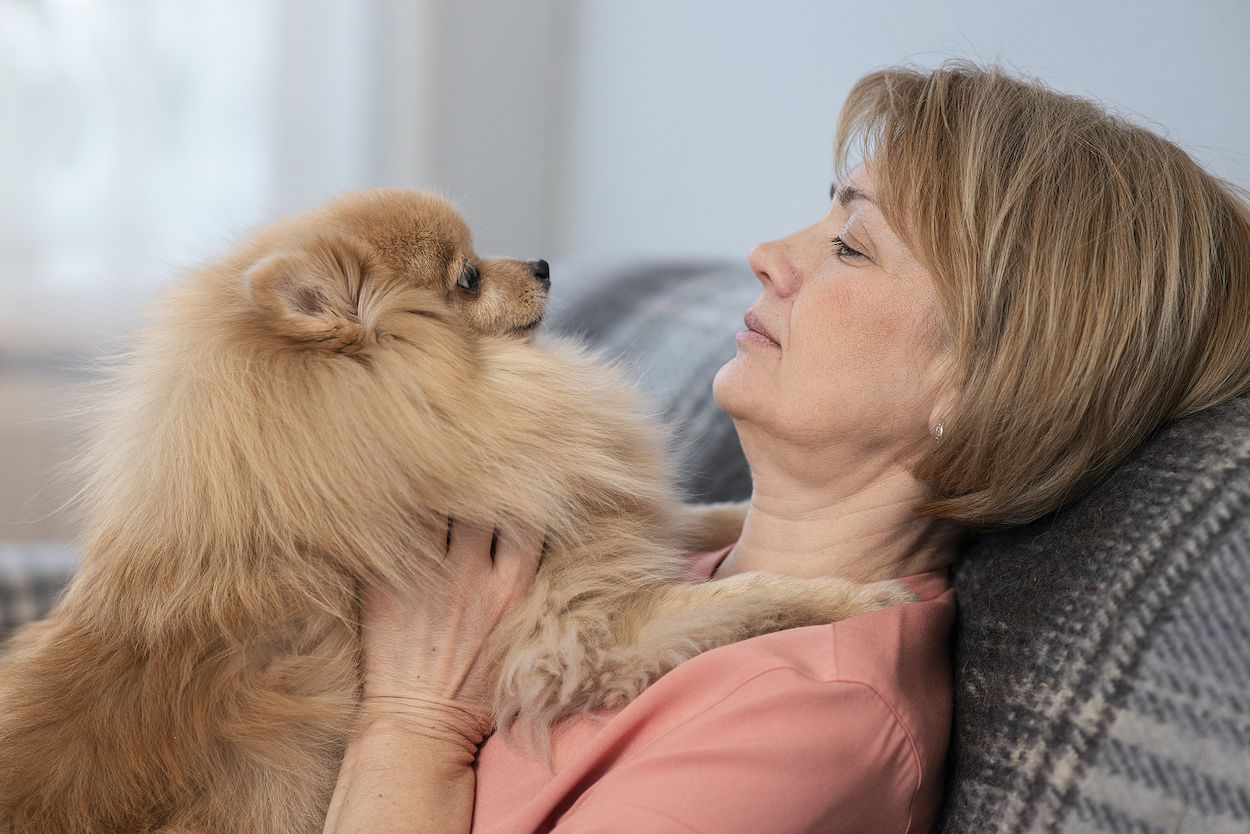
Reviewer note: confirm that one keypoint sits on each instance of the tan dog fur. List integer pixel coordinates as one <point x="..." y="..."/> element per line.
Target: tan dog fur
<point x="290" y="416"/>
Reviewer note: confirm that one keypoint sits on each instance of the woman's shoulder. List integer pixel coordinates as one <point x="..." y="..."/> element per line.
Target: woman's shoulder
<point x="888" y="650"/>
<point x="900" y="654"/>
<point x="843" y="726"/>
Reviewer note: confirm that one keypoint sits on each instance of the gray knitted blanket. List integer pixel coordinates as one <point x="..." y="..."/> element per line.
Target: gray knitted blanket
<point x="1103" y="659"/>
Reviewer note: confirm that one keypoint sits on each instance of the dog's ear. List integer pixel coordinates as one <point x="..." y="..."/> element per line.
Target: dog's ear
<point x="315" y="293"/>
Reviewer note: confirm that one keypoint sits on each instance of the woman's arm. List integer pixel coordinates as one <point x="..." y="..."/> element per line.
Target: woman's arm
<point x="427" y="685"/>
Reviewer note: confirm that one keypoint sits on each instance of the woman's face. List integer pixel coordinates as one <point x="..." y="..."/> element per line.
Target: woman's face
<point x="856" y="354"/>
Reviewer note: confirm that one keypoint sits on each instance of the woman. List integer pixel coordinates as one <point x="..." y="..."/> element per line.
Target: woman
<point x="1007" y="297"/>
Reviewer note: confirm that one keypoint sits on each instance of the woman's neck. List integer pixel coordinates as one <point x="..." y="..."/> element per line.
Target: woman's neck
<point x="864" y="531"/>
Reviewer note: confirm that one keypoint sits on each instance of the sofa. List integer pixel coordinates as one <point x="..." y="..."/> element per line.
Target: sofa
<point x="1102" y="653"/>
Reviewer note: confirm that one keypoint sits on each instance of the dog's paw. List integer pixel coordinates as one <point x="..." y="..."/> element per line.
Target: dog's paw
<point x="890" y="592"/>
<point x="542" y="683"/>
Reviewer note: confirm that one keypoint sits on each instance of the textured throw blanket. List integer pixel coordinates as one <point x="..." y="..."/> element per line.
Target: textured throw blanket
<point x="1103" y="659"/>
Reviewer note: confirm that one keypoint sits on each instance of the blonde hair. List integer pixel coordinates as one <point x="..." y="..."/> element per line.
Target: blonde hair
<point x="1094" y="280"/>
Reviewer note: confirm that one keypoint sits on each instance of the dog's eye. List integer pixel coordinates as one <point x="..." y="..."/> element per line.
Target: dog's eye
<point x="469" y="277"/>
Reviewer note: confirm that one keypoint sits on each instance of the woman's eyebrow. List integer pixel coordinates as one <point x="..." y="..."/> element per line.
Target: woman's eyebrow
<point x="848" y="193"/>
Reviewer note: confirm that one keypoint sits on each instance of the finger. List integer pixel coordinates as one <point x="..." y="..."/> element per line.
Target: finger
<point x="518" y="553"/>
<point x="470" y="544"/>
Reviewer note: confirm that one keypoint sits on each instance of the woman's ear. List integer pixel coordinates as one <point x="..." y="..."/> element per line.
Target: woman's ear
<point x="944" y="398"/>
<point x="315" y="293"/>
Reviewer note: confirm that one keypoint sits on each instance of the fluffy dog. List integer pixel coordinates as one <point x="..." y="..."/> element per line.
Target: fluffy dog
<point x="291" y="418"/>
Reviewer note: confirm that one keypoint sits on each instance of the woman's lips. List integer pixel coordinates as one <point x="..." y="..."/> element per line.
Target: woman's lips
<point x="750" y="337"/>
<point x="756" y="332"/>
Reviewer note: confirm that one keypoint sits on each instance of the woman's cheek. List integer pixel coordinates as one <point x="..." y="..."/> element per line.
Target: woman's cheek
<point x="853" y="327"/>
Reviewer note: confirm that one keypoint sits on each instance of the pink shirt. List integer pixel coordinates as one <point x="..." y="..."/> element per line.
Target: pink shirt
<point x="830" y="728"/>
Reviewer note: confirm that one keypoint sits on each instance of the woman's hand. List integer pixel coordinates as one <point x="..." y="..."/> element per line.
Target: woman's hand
<point x="427" y="684"/>
<point x="426" y="667"/>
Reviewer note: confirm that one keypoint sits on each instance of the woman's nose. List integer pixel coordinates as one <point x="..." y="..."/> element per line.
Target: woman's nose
<point x="772" y="266"/>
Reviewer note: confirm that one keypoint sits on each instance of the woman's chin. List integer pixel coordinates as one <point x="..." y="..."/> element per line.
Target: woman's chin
<point x="730" y="387"/>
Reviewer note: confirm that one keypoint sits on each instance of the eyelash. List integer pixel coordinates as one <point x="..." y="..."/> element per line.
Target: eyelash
<point x="842" y="250"/>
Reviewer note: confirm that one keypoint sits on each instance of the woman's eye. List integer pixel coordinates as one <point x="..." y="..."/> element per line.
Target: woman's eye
<point x="843" y="251"/>
<point x="469" y="278"/>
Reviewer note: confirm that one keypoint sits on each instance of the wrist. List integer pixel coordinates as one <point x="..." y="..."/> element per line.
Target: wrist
<point x="396" y="765"/>
<point x="427" y="718"/>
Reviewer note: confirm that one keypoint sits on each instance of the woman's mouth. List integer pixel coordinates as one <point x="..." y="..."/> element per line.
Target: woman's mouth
<point x="756" y="333"/>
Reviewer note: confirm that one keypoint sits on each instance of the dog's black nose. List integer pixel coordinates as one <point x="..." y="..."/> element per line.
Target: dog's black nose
<point x="542" y="272"/>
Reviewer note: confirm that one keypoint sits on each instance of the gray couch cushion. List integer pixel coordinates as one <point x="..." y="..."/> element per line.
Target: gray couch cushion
<point x="31" y="576"/>
<point x="674" y="323"/>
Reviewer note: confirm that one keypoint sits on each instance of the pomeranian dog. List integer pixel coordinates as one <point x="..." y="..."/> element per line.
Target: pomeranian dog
<point x="291" y="419"/>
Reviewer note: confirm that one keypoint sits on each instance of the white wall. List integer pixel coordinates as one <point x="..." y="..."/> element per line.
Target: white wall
<point x="137" y="135"/>
<point x="704" y="127"/>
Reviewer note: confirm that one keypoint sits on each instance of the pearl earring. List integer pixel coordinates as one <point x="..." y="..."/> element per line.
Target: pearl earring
<point x="937" y="430"/>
